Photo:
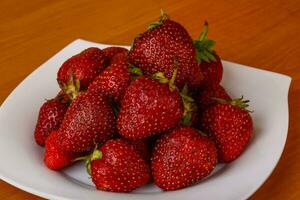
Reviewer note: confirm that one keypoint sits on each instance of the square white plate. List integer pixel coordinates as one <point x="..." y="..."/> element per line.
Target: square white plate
<point x="22" y="160"/>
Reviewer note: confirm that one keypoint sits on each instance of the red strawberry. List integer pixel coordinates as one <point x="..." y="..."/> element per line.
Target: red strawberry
<point x="165" y="43"/>
<point x="208" y="92"/>
<point x="119" y="57"/>
<point x="110" y="52"/>
<point x="55" y="156"/>
<point x="209" y="61"/>
<point x="84" y="67"/>
<point x="231" y="127"/>
<point x="212" y="71"/>
<point x="141" y="148"/>
<point x="113" y="81"/>
<point x="50" y="117"/>
<point x="89" y="119"/>
<point x="148" y="107"/>
<point x="117" y="167"/>
<point x="182" y="157"/>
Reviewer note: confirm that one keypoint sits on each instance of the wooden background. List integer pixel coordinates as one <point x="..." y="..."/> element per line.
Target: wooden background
<point x="264" y="34"/>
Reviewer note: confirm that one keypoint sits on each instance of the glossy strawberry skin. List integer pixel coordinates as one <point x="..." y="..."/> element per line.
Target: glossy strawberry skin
<point x="119" y="57"/>
<point x="84" y="67"/>
<point x="51" y="115"/>
<point x="230" y="126"/>
<point x="89" y="119"/>
<point x="111" y="52"/>
<point x="55" y="157"/>
<point x="182" y="157"/>
<point x="148" y="107"/>
<point x="141" y="147"/>
<point x="209" y="91"/>
<point x="121" y="168"/>
<point x="212" y="71"/>
<point x="112" y="82"/>
<point x="160" y="48"/>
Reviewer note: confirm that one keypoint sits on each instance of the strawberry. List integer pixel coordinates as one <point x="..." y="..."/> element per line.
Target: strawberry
<point x="55" y="156"/>
<point x="164" y="44"/>
<point x="51" y="115"/>
<point x="89" y="119"/>
<point x="230" y="124"/>
<point x="148" y="107"/>
<point x="110" y="52"/>
<point x="182" y="157"/>
<point x="208" y="92"/>
<point x="141" y="147"/>
<point x="117" y="167"/>
<point x="113" y="81"/>
<point x="212" y="70"/>
<point x="84" y="67"/>
<point x="119" y="57"/>
<point x="209" y="61"/>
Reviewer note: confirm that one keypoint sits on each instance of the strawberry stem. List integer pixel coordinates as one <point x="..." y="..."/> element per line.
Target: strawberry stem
<point x="95" y="155"/>
<point x="203" y="34"/>
<point x="163" y="17"/>
<point x="173" y="78"/>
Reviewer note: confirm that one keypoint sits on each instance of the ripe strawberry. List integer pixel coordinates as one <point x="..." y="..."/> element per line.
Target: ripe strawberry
<point x="117" y="167"/>
<point x="164" y="44"/>
<point x="110" y="52"/>
<point x="84" y="67"/>
<point x="212" y="70"/>
<point x="231" y="127"/>
<point x="141" y="147"/>
<point x="55" y="156"/>
<point x="209" y="61"/>
<point x="182" y="157"/>
<point x="50" y="117"/>
<point x="208" y="92"/>
<point x="113" y="81"/>
<point x="89" y="119"/>
<point x="119" y="57"/>
<point x="148" y="107"/>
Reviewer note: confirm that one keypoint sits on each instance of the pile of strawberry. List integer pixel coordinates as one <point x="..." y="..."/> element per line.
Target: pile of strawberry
<point x="156" y="112"/>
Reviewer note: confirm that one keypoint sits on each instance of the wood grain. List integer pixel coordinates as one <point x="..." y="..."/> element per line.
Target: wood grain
<point x="264" y="34"/>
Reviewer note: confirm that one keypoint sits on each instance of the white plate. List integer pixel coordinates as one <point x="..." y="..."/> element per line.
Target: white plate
<point x="22" y="160"/>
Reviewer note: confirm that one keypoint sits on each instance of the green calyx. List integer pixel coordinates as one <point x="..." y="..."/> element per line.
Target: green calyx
<point x="134" y="71"/>
<point x="163" y="16"/>
<point x="204" y="47"/>
<point x="189" y="106"/>
<point x="162" y="79"/>
<point x="71" y="88"/>
<point x="239" y="102"/>
<point x="96" y="154"/>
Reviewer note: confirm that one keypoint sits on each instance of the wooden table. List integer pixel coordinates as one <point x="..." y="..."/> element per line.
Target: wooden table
<point x="264" y="34"/>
